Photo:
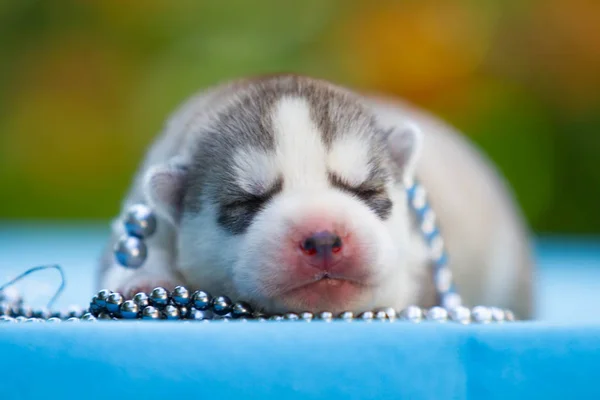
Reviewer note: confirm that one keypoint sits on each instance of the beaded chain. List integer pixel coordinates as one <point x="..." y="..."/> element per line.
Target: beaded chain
<point x="180" y="304"/>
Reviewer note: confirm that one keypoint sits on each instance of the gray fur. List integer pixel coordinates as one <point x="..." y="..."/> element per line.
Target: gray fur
<point x="245" y="123"/>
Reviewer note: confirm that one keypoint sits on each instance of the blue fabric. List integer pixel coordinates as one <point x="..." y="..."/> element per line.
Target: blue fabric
<point x="117" y="360"/>
<point x="134" y="360"/>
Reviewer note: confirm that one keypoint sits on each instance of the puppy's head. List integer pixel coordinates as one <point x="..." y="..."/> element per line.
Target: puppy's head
<point x="292" y="199"/>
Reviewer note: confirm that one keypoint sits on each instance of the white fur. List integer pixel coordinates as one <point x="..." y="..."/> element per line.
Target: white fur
<point x="255" y="170"/>
<point x="300" y="153"/>
<point x="349" y="158"/>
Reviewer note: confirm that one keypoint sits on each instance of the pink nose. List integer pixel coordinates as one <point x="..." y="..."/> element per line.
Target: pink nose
<point x="322" y="249"/>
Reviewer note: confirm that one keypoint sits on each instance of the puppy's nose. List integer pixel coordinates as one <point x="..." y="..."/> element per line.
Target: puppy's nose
<point x="322" y="247"/>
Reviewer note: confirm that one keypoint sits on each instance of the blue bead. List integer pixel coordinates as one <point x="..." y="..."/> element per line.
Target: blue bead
<point x="129" y="309"/>
<point x="171" y="312"/>
<point x="113" y="303"/>
<point x="442" y="261"/>
<point x="429" y="237"/>
<point x="100" y="298"/>
<point x="130" y="252"/>
<point x="181" y="296"/>
<point x="221" y="305"/>
<point x="241" y="310"/>
<point x="140" y="221"/>
<point x="410" y="191"/>
<point x="201" y="300"/>
<point x="159" y="297"/>
<point x="200" y="315"/>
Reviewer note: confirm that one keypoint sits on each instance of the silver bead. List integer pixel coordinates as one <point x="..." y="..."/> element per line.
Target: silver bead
<point x="184" y="312"/>
<point x="443" y="279"/>
<point x="419" y="199"/>
<point x="497" y="314"/>
<point x="509" y="316"/>
<point x="42" y="313"/>
<point x="113" y="303"/>
<point x="20" y="318"/>
<point x="437" y="314"/>
<point x="5" y="309"/>
<point x="276" y="317"/>
<point x="24" y="311"/>
<point x="307" y="316"/>
<point x="73" y="319"/>
<point x="101" y="296"/>
<point x="171" y="312"/>
<point x="391" y="313"/>
<point x="130" y="251"/>
<point x="74" y="311"/>
<point x="291" y="316"/>
<point x="201" y="300"/>
<point x="129" y="309"/>
<point x="200" y="315"/>
<point x="140" y="221"/>
<point x="451" y="300"/>
<point x="88" y="317"/>
<point x="481" y="314"/>
<point x="54" y="320"/>
<point x="142" y="300"/>
<point x="104" y="315"/>
<point x="5" y="318"/>
<point x="347" y="316"/>
<point x="460" y="314"/>
<point x="181" y="296"/>
<point x="412" y="314"/>
<point x="241" y="309"/>
<point x="221" y="305"/>
<point x="159" y="297"/>
<point x="381" y="315"/>
<point x="326" y="316"/>
<point x="150" y="313"/>
<point x="367" y="316"/>
<point x="34" y="320"/>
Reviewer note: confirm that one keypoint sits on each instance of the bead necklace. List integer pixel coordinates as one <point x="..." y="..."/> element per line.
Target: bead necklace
<point x="181" y="304"/>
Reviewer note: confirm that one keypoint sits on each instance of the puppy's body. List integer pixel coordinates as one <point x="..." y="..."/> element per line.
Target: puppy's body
<point x="245" y="172"/>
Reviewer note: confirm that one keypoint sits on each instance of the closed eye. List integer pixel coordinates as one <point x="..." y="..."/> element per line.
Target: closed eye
<point x="365" y="190"/>
<point x="242" y="198"/>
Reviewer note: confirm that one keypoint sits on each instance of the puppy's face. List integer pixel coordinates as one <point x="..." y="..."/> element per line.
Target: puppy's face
<point x="292" y="201"/>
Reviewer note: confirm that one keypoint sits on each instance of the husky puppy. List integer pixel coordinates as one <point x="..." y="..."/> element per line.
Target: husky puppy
<point x="289" y="192"/>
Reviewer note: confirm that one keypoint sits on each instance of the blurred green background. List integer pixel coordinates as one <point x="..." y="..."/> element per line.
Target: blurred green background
<point x="87" y="84"/>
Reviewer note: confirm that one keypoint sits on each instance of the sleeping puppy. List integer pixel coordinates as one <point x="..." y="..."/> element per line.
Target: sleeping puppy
<point x="290" y="193"/>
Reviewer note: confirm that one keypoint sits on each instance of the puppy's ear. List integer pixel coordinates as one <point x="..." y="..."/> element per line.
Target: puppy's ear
<point x="404" y="145"/>
<point x="164" y="187"/>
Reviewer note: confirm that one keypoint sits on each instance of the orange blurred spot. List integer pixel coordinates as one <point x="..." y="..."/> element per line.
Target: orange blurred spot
<point x="415" y="49"/>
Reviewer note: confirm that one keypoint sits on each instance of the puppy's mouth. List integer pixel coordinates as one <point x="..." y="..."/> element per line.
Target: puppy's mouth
<point x="325" y="292"/>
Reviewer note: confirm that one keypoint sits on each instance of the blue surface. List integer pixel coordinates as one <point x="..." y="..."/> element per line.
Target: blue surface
<point x="557" y="357"/>
<point x="299" y="361"/>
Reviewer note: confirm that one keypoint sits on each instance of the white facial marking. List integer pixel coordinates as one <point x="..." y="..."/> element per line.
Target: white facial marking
<point x="299" y="149"/>
<point x="255" y="170"/>
<point x="349" y="159"/>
